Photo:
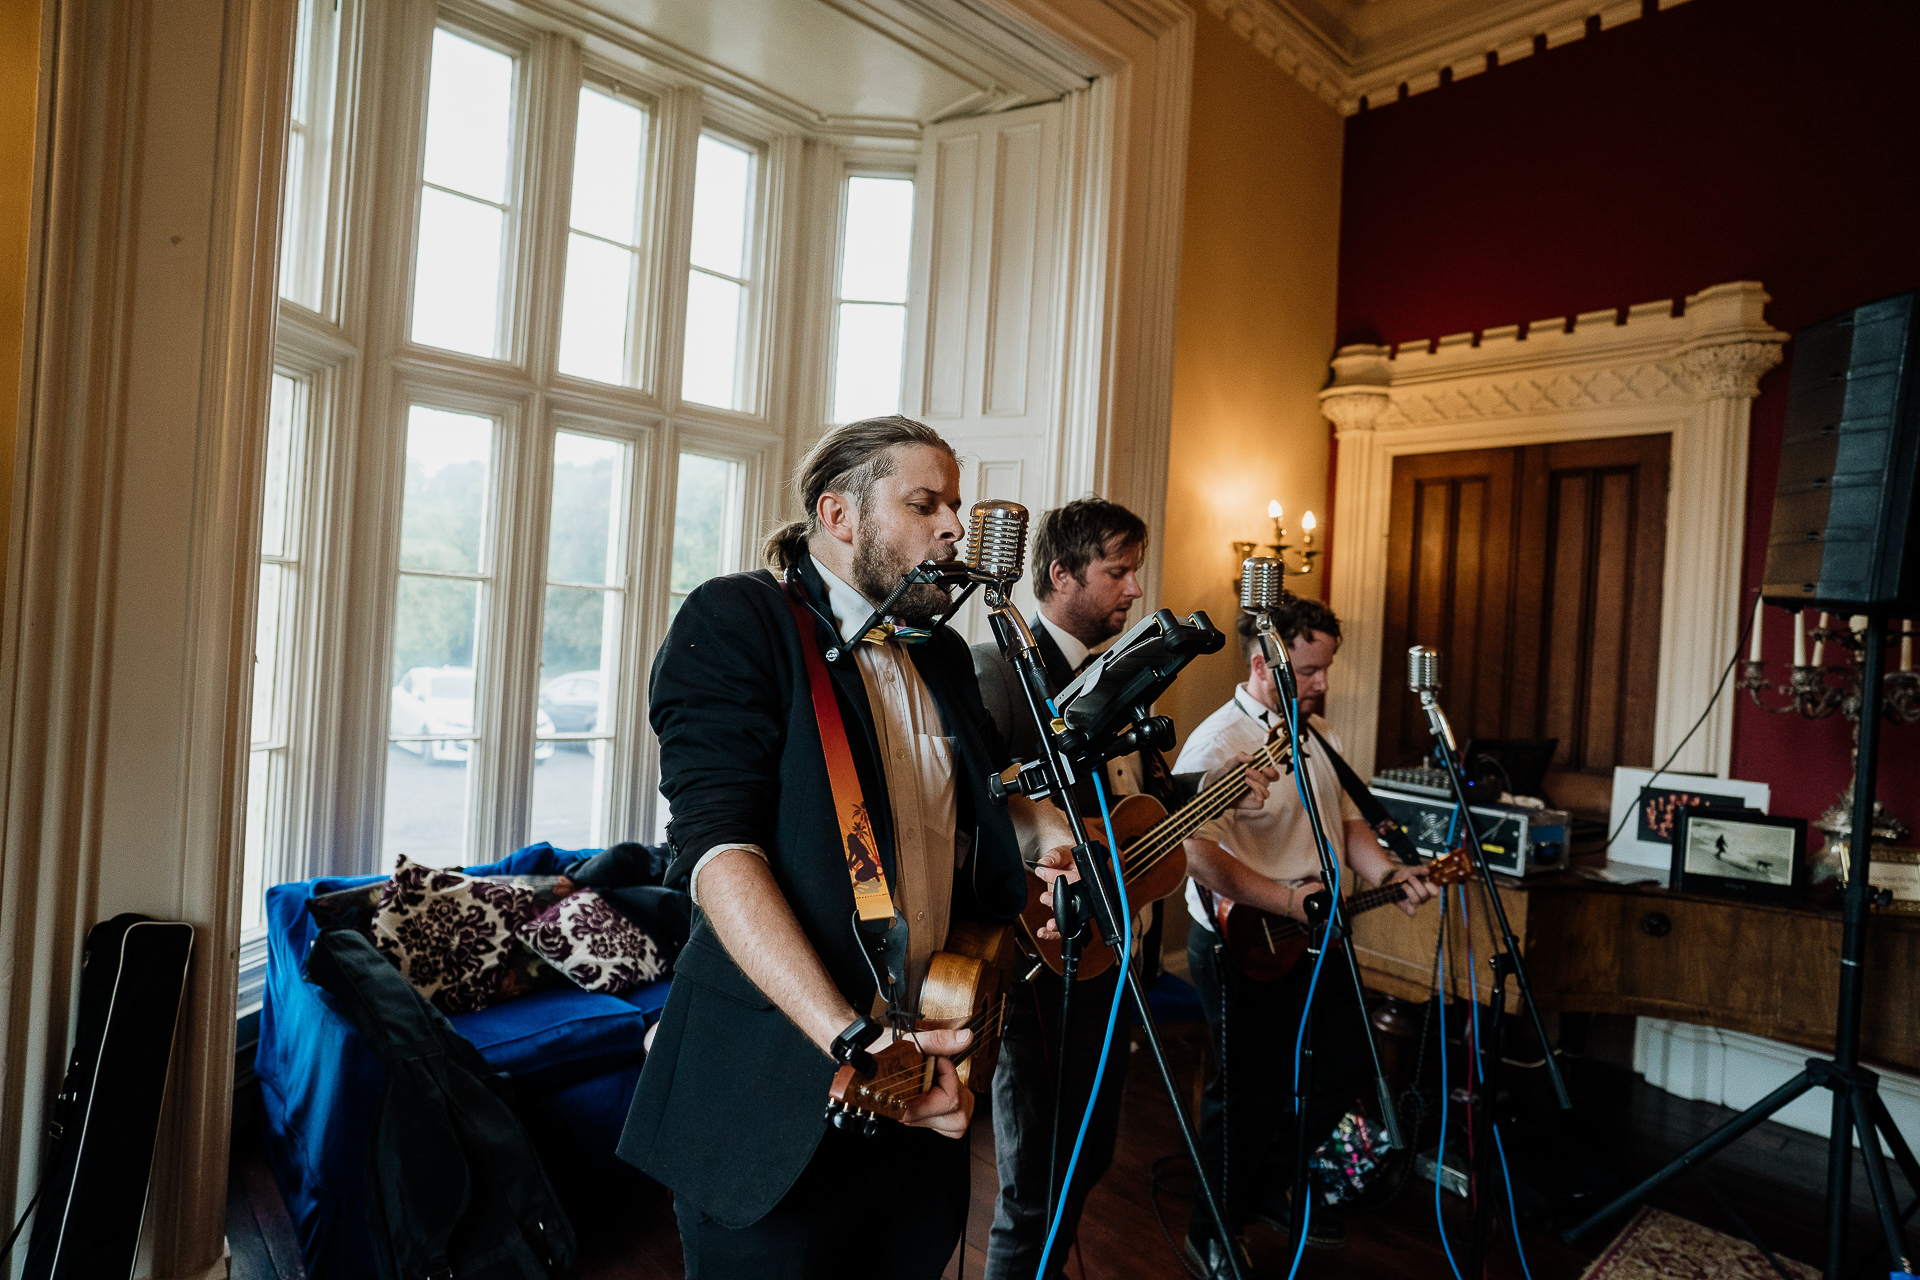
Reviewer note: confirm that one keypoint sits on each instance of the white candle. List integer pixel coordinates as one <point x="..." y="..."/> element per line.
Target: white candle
<point x="1753" y="651"/>
<point x="1906" y="644"/>
<point x="1799" y="637"/>
<point x="1819" y="641"/>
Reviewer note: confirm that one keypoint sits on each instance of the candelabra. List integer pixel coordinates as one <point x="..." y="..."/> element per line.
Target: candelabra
<point x="1280" y="546"/>
<point x="1818" y="689"/>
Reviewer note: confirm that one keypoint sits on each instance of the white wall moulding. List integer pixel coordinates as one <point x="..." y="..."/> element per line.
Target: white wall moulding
<point x="1349" y="50"/>
<point x="1692" y="375"/>
<point x="126" y="660"/>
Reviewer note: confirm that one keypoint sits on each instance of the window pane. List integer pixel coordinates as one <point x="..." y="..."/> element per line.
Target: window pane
<point x="280" y="411"/>
<point x="293" y="217"/>
<point x="426" y="816"/>
<point x="433" y="638"/>
<point x="583" y="543"/>
<point x="443" y="521"/>
<point x="609" y="157"/>
<point x="469" y="118"/>
<point x="714" y="309"/>
<point x="456" y="283"/>
<point x="702" y="521"/>
<point x="266" y="652"/>
<point x="253" y="863"/>
<point x="879" y="235"/>
<point x="582" y="627"/>
<point x="598" y="309"/>
<point x="722" y="195"/>
<point x="568" y="795"/>
<point x="866" y="376"/>
<point x="302" y="94"/>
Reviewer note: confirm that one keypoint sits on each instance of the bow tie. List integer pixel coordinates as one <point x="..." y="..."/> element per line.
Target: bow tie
<point x="893" y="631"/>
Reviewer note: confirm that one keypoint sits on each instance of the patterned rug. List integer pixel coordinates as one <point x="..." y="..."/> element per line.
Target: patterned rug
<point x="1658" y="1246"/>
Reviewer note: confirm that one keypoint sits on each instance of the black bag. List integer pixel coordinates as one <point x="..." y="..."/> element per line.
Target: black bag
<point x="107" y="1115"/>
<point x="455" y="1190"/>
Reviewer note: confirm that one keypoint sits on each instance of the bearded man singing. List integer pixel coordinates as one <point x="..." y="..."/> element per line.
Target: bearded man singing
<point x="777" y="983"/>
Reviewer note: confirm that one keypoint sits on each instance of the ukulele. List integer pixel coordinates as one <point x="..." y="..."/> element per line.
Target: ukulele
<point x="1151" y="853"/>
<point x="1266" y="947"/>
<point x="966" y="987"/>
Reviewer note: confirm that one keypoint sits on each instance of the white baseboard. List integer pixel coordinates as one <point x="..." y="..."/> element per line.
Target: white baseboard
<point x="1736" y="1070"/>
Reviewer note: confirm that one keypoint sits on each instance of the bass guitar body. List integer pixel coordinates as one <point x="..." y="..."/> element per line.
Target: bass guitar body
<point x="966" y="987"/>
<point x="1133" y="818"/>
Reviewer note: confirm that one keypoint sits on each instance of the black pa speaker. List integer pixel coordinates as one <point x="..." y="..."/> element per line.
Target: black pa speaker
<point x="1844" y="528"/>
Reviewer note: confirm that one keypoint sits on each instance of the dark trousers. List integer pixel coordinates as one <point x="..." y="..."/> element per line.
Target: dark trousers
<point x="891" y="1205"/>
<point x="1247" y="1130"/>
<point x="1023" y="1093"/>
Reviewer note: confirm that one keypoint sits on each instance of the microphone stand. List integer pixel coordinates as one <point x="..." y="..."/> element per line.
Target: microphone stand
<point x="1326" y="925"/>
<point x="1094" y="896"/>
<point x="1506" y="961"/>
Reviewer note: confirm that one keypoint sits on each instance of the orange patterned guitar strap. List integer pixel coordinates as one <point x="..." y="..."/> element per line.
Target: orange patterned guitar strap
<point x="871" y="896"/>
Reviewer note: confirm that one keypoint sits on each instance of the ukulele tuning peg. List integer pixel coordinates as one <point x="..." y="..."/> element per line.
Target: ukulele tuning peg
<point x="869" y="1125"/>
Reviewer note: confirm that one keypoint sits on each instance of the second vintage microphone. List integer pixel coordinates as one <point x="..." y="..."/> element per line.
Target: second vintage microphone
<point x="1423" y="678"/>
<point x="1263" y="585"/>
<point x="997" y="540"/>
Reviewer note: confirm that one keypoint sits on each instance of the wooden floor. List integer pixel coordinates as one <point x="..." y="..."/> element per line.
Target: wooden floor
<point x="1774" y="1178"/>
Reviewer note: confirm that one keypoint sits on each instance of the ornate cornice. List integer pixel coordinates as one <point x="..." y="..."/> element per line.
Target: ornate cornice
<point x="1346" y="67"/>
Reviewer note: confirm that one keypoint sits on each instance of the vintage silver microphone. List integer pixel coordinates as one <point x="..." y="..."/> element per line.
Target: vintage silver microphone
<point x="1423" y="678"/>
<point x="997" y="541"/>
<point x="1263" y="586"/>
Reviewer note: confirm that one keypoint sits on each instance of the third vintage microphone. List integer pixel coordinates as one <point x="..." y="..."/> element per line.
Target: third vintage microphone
<point x="1263" y="585"/>
<point x="1423" y="678"/>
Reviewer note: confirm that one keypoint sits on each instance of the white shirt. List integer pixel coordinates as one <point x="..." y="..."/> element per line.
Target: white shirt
<point x="1277" y="839"/>
<point x="917" y="756"/>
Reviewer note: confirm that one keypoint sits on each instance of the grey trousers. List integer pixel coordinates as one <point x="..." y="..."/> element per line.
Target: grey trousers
<point x="1023" y="1089"/>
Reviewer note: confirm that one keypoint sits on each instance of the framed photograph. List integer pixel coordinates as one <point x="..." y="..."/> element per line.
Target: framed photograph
<point x="1646" y="807"/>
<point x="1740" y="854"/>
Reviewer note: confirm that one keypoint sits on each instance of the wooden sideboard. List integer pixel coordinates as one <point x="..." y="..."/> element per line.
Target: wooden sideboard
<point x="1595" y="947"/>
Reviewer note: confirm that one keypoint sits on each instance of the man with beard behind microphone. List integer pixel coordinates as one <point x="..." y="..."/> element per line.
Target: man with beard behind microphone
<point x="775" y="986"/>
<point x="1268" y="859"/>
<point x="1086" y="562"/>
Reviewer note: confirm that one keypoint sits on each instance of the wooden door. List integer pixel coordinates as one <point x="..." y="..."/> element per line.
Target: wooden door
<point x="1536" y="572"/>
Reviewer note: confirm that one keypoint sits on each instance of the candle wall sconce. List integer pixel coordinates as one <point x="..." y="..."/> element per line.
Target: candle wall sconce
<point x="1280" y="546"/>
<point x="1818" y="689"/>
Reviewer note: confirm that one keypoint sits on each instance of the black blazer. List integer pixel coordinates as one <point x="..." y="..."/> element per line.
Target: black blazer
<point x="732" y="1097"/>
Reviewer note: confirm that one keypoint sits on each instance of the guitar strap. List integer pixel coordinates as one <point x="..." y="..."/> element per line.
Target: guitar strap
<point x="877" y="926"/>
<point x="1384" y="825"/>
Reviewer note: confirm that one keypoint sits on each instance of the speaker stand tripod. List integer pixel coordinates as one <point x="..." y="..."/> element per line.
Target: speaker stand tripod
<point x="1857" y="1108"/>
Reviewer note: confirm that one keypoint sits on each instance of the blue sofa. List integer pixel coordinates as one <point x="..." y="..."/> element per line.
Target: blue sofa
<point x="574" y="1056"/>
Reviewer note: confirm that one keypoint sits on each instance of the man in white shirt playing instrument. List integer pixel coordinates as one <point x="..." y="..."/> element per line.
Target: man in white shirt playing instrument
<point x="1268" y="859"/>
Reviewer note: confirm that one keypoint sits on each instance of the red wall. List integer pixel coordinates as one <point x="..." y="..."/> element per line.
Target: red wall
<point x="1769" y="140"/>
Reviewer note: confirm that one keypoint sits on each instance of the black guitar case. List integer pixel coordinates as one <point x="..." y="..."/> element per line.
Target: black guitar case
<point x="107" y="1115"/>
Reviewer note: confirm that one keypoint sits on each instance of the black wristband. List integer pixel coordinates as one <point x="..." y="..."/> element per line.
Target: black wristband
<point x="849" y="1047"/>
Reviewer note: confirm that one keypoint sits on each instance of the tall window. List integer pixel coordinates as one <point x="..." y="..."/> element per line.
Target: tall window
<point x="715" y="370"/>
<point x="603" y="241"/>
<point x="446" y="568"/>
<point x="518" y="442"/>
<point x="272" y="646"/>
<point x="870" y="305"/>
<point x="466" y="198"/>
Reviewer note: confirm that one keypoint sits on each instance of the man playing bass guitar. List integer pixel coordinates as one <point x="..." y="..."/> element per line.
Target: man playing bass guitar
<point x="1267" y="859"/>
<point x="1086" y="561"/>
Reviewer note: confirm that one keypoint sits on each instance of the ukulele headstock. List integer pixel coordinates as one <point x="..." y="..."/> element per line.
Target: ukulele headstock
<point x="1450" y="868"/>
<point x="858" y="1103"/>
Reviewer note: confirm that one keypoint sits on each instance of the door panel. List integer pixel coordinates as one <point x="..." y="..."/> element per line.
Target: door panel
<point x="1536" y="572"/>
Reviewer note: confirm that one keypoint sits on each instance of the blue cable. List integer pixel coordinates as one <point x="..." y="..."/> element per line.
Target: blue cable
<point x="1113" y="1017"/>
<point x="1440" y="1155"/>
<point x="1506" y="1174"/>
<point x="1513" y="1214"/>
<point x="1303" y="1196"/>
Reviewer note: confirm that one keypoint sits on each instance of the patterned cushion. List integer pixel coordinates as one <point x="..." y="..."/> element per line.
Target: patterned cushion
<point x="452" y="935"/>
<point x="585" y="938"/>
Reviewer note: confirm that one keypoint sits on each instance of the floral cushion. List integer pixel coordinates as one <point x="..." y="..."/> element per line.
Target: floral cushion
<point x="600" y="949"/>
<point x="452" y="935"/>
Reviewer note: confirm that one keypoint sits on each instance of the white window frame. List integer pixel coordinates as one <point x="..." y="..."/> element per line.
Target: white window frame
<point x="858" y="165"/>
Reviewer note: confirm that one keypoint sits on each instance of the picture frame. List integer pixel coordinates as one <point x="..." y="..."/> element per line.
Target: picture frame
<point x="1737" y="853"/>
<point x="1646" y="803"/>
